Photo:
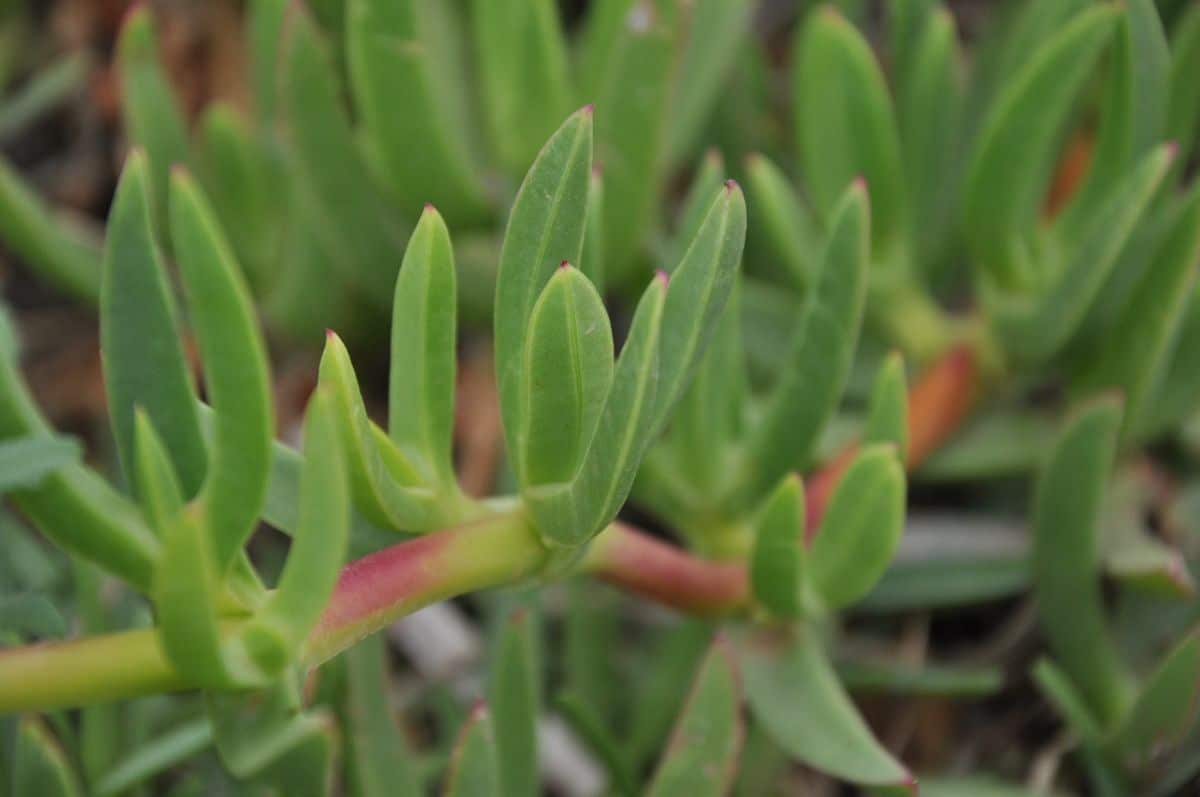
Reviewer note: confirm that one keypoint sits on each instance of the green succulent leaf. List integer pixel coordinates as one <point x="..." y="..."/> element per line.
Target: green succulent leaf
<point x="568" y="371"/>
<point x="185" y="597"/>
<point x="144" y="361"/>
<point x="1164" y="709"/>
<point x="381" y="763"/>
<point x="1036" y="327"/>
<point x="589" y="727"/>
<point x="1183" y="104"/>
<point x="662" y="690"/>
<point x="1010" y="168"/>
<point x="695" y="206"/>
<point x="39" y="764"/>
<point x="27" y="461"/>
<point x="386" y="485"/>
<point x="778" y="563"/>
<point x="783" y="220"/>
<point x="845" y="123"/>
<point x="545" y="228"/>
<point x="402" y="88"/>
<point x="701" y="758"/>
<point x="823" y="347"/>
<point x="593" y="266"/>
<point x="793" y="691"/>
<point x="887" y="415"/>
<point x="167" y="750"/>
<point x="1137" y="349"/>
<point x="860" y="529"/>
<point x="514" y="694"/>
<point x="521" y="50"/>
<point x="151" y="115"/>
<point x="1066" y="560"/>
<point x="423" y="366"/>
<point x="1059" y="690"/>
<point x="159" y="491"/>
<point x="265" y="22"/>
<point x="30" y="615"/>
<point x="474" y="769"/>
<point x="235" y="371"/>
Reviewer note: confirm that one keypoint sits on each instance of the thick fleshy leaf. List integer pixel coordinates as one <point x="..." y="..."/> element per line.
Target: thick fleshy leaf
<point x="702" y="756"/>
<point x="568" y="372"/>
<point x="387" y="487"/>
<point x="151" y="115"/>
<point x="515" y="700"/>
<point x="1137" y="349"/>
<point x="783" y="221"/>
<point x="845" y="123"/>
<point x="158" y="486"/>
<point x="408" y="103"/>
<point x="860" y="529"/>
<point x="39" y="764"/>
<point x="347" y="212"/>
<point x="60" y="249"/>
<point x="694" y="208"/>
<point x="1165" y="708"/>
<point x="522" y="61"/>
<point x="823" y="346"/>
<point x="778" y="562"/>
<point x="144" y="361"/>
<point x="887" y="416"/>
<point x="474" y="770"/>
<point x="185" y="599"/>
<point x="545" y="228"/>
<point x="715" y="29"/>
<point x="423" y="366"/>
<point x="793" y="691"/>
<point x="569" y="515"/>
<point x="1065" y="557"/>
<point x="235" y="371"/>
<point x="318" y="545"/>
<point x="381" y="763"/>
<point x="1036" y="327"/>
<point x="631" y="126"/>
<point x="25" y="462"/>
<point x="1133" y="111"/>
<point x="1011" y="164"/>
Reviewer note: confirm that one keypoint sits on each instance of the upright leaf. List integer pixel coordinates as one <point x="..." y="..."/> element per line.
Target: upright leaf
<point x="39" y="764"/>
<point x="593" y="238"/>
<point x="778" y="563"/>
<point x="860" y="529"/>
<point x="515" y="700"/>
<point x="784" y="223"/>
<point x="474" y="763"/>
<point x="793" y="691"/>
<point x="144" y="362"/>
<point x="380" y="761"/>
<point x="235" y="371"/>
<point x="1010" y="169"/>
<point x="705" y="182"/>
<point x="423" y="367"/>
<point x="545" y="227"/>
<point x="887" y="416"/>
<point x="702" y="756"/>
<point x="1183" y="104"/>
<point x="1065" y="558"/>
<point x="845" y="123"/>
<point x="819" y="363"/>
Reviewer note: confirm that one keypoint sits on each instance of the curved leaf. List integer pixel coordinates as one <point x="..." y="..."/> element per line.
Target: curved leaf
<point x="778" y="562"/>
<point x="887" y="415"/>
<point x="473" y="764"/>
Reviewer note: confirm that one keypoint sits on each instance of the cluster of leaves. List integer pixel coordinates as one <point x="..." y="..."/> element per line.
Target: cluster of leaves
<point x="703" y="417"/>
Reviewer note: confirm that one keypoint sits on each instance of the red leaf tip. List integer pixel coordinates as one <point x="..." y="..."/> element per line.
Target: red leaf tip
<point x="329" y="334"/>
<point x="565" y="264"/>
<point x="662" y="276"/>
<point x="1172" y="148"/>
<point x="588" y="109"/>
<point x="429" y="208"/>
<point x="861" y="182"/>
<point x="731" y="186"/>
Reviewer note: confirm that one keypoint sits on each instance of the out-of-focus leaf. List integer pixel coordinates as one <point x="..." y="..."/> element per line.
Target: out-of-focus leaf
<point x="347" y="212"/>
<point x="1056" y="685"/>
<point x="1011" y="165"/>
<point x="568" y="371"/>
<point x="1183" y="104"/>
<point x="407" y="102"/>
<point x="860" y="529"/>
<point x="660" y="692"/>
<point x="39" y="764"/>
<point x="887" y="417"/>
<point x="152" y="117"/>
<point x="793" y="691"/>
<point x="631" y="126"/>
<point x="30" y="614"/>
<point x="235" y="372"/>
<point x="592" y="628"/>
<point x="1165" y="707"/>
<point x="59" y="248"/>
<point x="1138" y="346"/>
<point x="158" y="755"/>
<point x="846" y="125"/>
<point x="522" y="61"/>
<point x="694" y="208"/>
<point x="265" y="26"/>
<point x="715" y="29"/>
<point x="24" y="462"/>
<point x="588" y="726"/>
<point x="818" y="366"/>
<point x="1066" y="558"/>
<point x="144" y="362"/>
<point x="545" y="228"/>
<point x="948" y="583"/>
<point x="593" y="238"/>
<point x="701" y="758"/>
<point x="783" y="221"/>
<point x="422" y="373"/>
<point x="993" y="445"/>
<point x="778" y="562"/>
<point x="380" y="762"/>
<point x="893" y="679"/>
<point x="1036" y="327"/>
<point x="978" y="786"/>
<point x="515" y="700"/>
<point x="474" y="768"/>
